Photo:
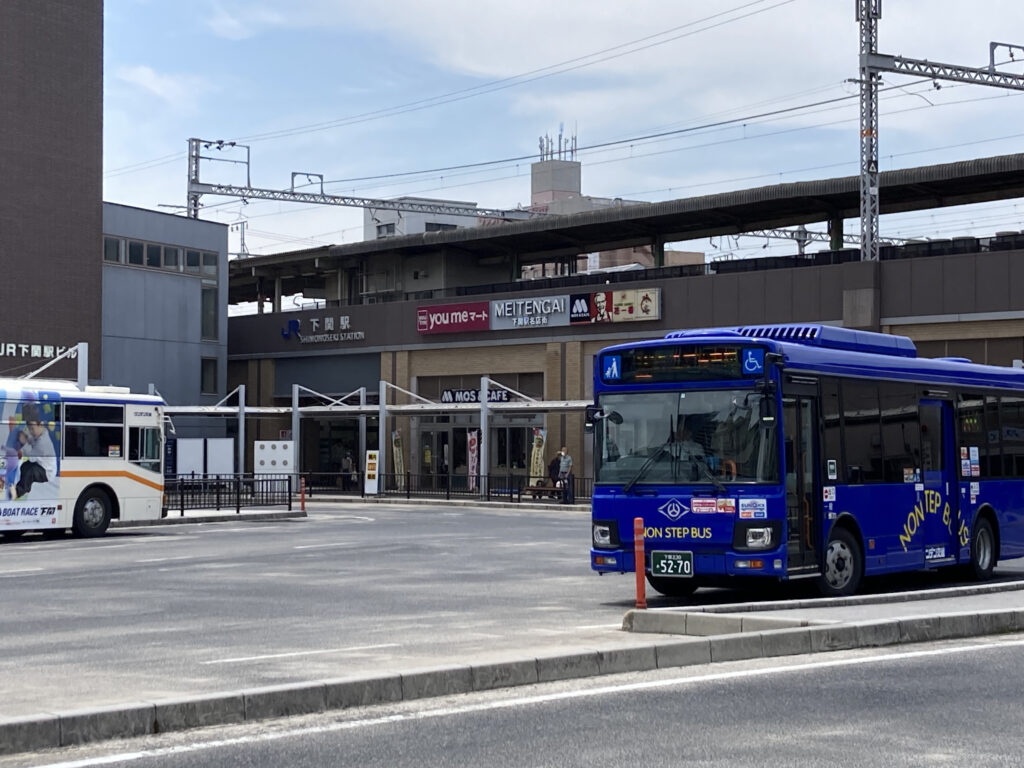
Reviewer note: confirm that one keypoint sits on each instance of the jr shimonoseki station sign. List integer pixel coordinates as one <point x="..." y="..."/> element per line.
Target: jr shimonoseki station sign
<point x="624" y="306"/>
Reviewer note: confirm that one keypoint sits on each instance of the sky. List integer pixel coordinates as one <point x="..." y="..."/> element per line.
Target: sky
<point x="397" y="97"/>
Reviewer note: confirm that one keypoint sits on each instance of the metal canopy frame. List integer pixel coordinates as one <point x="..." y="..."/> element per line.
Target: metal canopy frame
<point x="336" y="406"/>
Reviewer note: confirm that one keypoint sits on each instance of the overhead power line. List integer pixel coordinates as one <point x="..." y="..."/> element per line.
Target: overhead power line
<point x="568" y="65"/>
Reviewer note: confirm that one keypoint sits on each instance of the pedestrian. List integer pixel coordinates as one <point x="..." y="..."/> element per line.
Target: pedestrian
<point x="554" y="467"/>
<point x="347" y="468"/>
<point x="566" y="476"/>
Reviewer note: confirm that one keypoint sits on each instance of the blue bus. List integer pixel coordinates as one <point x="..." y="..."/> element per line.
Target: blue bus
<point x="802" y="452"/>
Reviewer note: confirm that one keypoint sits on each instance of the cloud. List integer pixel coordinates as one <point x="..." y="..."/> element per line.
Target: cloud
<point x="241" y="21"/>
<point x="181" y="92"/>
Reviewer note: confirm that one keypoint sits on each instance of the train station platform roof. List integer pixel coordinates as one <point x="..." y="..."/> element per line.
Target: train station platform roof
<point x="552" y="237"/>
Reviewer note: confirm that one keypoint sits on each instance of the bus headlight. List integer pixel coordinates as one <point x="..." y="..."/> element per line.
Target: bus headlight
<point x="602" y="535"/>
<point x="759" y="538"/>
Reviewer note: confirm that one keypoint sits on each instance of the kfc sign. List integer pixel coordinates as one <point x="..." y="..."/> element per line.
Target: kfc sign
<point x="453" y="318"/>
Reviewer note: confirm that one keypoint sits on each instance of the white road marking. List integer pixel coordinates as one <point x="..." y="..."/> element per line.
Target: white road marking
<point x="165" y="559"/>
<point x="301" y="653"/>
<point x="600" y="626"/>
<point x="19" y="572"/>
<point x="322" y="546"/>
<point x="519" y="701"/>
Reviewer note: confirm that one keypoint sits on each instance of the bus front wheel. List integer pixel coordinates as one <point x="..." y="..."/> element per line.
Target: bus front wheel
<point x="672" y="587"/>
<point x="92" y="514"/>
<point x="843" y="568"/>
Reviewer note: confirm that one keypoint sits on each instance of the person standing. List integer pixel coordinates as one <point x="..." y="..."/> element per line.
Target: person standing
<point x="347" y="468"/>
<point x="554" y="468"/>
<point x="566" y="476"/>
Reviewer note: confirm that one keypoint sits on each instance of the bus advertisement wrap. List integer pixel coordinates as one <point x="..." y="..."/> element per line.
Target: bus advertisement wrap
<point x="29" y="464"/>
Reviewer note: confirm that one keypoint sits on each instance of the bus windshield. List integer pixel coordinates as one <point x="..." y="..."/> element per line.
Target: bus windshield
<point x="696" y="438"/>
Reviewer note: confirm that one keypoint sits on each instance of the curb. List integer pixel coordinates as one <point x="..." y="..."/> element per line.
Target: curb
<point x="321" y="501"/>
<point x="224" y="518"/>
<point x="760" y="640"/>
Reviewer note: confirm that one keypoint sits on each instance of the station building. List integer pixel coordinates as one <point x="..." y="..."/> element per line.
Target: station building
<point x="455" y="307"/>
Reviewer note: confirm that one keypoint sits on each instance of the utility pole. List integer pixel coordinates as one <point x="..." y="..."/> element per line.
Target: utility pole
<point x="868" y="14"/>
<point x="872" y="64"/>
<point x="239" y="226"/>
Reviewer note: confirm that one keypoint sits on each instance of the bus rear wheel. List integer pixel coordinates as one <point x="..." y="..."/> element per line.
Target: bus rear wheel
<point x="673" y="587"/>
<point x="983" y="551"/>
<point x="843" y="568"/>
<point x="92" y="514"/>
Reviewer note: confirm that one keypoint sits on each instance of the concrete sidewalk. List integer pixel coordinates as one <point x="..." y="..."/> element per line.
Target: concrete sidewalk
<point x="328" y="503"/>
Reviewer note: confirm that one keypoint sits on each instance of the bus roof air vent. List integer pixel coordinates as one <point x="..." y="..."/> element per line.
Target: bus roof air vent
<point x="832" y="337"/>
<point x="694" y="332"/>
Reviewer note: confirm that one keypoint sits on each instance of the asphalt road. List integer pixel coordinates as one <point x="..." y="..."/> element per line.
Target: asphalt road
<point x="159" y="612"/>
<point x="954" y="703"/>
<point x="173" y="611"/>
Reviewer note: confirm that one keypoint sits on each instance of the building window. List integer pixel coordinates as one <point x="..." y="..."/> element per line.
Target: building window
<point x="433" y="226"/>
<point x="153" y="255"/>
<point x="172" y="258"/>
<point x="112" y="247"/>
<point x="209" y="263"/>
<point x="209" y="312"/>
<point x="208" y="376"/>
<point x="192" y="261"/>
<point x="136" y="250"/>
<point x="385" y="230"/>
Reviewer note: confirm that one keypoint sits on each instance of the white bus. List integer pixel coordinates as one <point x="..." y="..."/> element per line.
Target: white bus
<point x="77" y="459"/>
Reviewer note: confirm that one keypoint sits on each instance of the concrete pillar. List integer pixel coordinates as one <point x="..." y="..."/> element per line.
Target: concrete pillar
<point x="658" y="253"/>
<point x="862" y="295"/>
<point x="835" y="233"/>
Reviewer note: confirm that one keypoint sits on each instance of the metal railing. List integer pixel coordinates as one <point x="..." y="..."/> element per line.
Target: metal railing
<point x="500" y="486"/>
<point x="238" y="491"/>
<point x="333" y="483"/>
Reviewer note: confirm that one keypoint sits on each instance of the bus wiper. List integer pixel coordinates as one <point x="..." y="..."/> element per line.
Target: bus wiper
<point x="646" y="466"/>
<point x="703" y="464"/>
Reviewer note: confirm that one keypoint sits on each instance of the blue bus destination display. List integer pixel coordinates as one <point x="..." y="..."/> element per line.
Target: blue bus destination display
<point x="682" y="362"/>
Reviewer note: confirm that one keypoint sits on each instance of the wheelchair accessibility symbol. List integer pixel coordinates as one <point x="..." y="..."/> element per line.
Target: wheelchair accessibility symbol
<point x="753" y="361"/>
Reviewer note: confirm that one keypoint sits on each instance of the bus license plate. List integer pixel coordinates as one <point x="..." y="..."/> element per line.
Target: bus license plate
<point x="672" y="564"/>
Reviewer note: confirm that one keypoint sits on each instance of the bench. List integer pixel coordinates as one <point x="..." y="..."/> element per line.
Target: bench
<point x="541" y="492"/>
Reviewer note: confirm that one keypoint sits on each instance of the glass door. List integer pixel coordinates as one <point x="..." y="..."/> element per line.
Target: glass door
<point x="802" y="494"/>
<point x="937" y="507"/>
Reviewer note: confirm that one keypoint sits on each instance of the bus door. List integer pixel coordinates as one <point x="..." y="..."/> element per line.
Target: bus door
<point x="799" y="417"/>
<point x="937" y="511"/>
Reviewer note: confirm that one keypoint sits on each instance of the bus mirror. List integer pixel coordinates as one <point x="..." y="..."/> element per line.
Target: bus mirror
<point x="595" y="414"/>
<point x="765" y="411"/>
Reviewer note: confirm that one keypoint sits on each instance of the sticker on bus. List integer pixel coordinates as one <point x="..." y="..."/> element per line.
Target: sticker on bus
<point x="753" y="509"/>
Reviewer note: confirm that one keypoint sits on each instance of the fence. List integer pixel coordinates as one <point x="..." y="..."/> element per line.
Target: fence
<point x="499" y="487"/>
<point x="241" y="491"/>
<point x="236" y="492"/>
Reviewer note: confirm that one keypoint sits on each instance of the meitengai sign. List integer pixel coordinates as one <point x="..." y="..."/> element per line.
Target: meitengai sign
<point x="528" y="313"/>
